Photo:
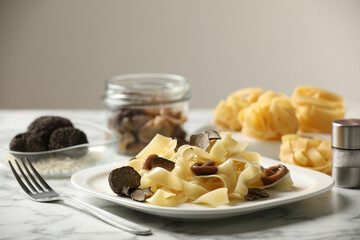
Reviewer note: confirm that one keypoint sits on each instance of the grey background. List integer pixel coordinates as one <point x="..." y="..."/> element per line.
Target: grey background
<point x="57" y="54"/>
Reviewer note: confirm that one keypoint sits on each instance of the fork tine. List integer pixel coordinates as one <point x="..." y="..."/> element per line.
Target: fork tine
<point x="31" y="176"/>
<point x="38" y="175"/>
<point x="23" y="186"/>
<point x="25" y="177"/>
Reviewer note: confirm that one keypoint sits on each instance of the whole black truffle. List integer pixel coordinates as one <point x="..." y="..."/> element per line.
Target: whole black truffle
<point x="46" y="125"/>
<point x="28" y="142"/>
<point x="67" y="137"/>
<point x="18" y="143"/>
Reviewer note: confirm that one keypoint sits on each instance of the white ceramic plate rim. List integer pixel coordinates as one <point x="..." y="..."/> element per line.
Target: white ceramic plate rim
<point x="307" y="183"/>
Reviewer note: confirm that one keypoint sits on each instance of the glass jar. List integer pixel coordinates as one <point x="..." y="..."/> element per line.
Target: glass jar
<point x="139" y="106"/>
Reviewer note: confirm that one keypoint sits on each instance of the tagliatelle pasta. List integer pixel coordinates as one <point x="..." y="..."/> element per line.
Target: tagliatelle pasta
<point x="316" y="108"/>
<point x="269" y="118"/>
<point x="225" y="113"/>
<point x="237" y="171"/>
<point x="306" y="152"/>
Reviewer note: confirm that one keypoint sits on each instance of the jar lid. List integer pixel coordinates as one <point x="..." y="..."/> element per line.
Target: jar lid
<point x="346" y="133"/>
<point x="146" y="89"/>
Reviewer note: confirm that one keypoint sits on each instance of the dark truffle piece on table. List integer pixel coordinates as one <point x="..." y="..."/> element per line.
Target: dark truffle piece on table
<point x="45" y="125"/>
<point x="68" y="137"/>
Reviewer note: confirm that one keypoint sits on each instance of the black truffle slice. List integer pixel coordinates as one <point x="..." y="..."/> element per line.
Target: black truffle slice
<point x="256" y="193"/>
<point x="140" y="194"/>
<point x="178" y="132"/>
<point x="202" y="140"/>
<point x="213" y="134"/>
<point x="66" y="137"/>
<point x="162" y="162"/>
<point x="179" y="143"/>
<point x="45" y="125"/>
<point x="123" y="180"/>
<point x="28" y="142"/>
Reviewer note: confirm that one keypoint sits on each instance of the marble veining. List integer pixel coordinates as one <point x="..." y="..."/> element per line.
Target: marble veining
<point x="332" y="215"/>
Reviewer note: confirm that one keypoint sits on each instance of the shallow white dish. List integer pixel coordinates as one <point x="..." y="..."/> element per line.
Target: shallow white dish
<point x="62" y="162"/>
<point x="307" y="183"/>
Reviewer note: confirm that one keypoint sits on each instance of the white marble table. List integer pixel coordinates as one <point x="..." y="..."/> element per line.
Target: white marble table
<point x="333" y="215"/>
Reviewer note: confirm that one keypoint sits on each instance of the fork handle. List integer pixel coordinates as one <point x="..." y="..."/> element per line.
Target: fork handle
<point x="112" y="219"/>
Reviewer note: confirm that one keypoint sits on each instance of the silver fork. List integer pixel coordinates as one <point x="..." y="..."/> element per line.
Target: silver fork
<point x="38" y="190"/>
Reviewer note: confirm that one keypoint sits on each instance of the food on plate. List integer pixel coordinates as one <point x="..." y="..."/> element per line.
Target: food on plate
<point x="316" y="108"/>
<point x="313" y="153"/>
<point x="50" y="133"/>
<point x="125" y="181"/>
<point x="136" y="127"/>
<point x="256" y="193"/>
<point x="203" y="140"/>
<point x="213" y="175"/>
<point x="140" y="194"/>
<point x="206" y="168"/>
<point x="154" y="160"/>
<point x="270" y="117"/>
<point x="274" y="173"/>
<point x="226" y="112"/>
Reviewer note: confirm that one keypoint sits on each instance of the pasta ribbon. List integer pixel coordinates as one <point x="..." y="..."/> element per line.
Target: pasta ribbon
<point x="306" y="152"/>
<point x="269" y="118"/>
<point x="214" y="198"/>
<point x="225" y="113"/>
<point x="316" y="108"/>
<point x="165" y="197"/>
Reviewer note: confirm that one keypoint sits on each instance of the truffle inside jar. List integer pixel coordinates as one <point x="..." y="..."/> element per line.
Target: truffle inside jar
<point x="136" y="127"/>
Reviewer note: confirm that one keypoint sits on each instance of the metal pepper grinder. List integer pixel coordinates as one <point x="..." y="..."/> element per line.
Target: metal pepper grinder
<point x="345" y="143"/>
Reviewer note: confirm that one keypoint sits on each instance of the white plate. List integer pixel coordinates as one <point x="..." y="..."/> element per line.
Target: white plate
<point x="307" y="183"/>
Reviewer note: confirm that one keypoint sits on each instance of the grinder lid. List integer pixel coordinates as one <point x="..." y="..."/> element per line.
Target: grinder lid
<point x="346" y="133"/>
